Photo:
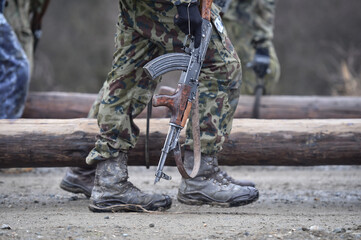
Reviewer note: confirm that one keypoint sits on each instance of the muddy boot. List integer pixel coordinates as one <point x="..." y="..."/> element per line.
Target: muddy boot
<point x="113" y="192"/>
<point x="79" y="180"/>
<point x="243" y="183"/>
<point x="208" y="187"/>
<point x="223" y="175"/>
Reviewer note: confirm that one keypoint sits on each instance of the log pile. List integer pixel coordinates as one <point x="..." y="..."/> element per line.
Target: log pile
<point x="60" y="143"/>
<point x="48" y="140"/>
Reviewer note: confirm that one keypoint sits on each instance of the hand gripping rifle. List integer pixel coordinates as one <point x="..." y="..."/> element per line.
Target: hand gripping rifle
<point x="180" y="103"/>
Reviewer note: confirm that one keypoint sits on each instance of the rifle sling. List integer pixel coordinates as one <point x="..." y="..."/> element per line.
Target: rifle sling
<point x="196" y="146"/>
<point x="146" y="150"/>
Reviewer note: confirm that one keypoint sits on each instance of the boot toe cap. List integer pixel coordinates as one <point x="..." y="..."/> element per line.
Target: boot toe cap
<point x="166" y="203"/>
<point x="254" y="193"/>
<point x="251" y="196"/>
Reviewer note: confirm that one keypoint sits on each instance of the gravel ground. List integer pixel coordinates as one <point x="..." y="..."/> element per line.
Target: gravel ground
<point x="295" y="203"/>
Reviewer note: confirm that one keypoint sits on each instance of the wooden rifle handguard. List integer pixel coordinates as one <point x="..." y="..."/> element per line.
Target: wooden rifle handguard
<point x="206" y="9"/>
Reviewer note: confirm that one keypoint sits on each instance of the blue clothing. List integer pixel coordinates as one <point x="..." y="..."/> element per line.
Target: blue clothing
<point x="14" y="72"/>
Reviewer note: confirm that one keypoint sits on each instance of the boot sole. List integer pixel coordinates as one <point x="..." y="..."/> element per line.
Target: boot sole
<point x="190" y="201"/>
<point x="124" y="208"/>
<point x="74" y="188"/>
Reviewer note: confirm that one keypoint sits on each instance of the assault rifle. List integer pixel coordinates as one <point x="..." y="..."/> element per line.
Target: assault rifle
<point x="180" y="103"/>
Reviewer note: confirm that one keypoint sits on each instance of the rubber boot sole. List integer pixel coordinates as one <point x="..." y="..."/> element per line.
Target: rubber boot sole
<point x="74" y="188"/>
<point x="127" y="208"/>
<point x="118" y="208"/>
<point x="189" y="201"/>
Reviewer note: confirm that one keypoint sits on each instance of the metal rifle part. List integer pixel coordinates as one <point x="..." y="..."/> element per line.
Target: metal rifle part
<point x="146" y="145"/>
<point x="180" y="103"/>
<point x="167" y="63"/>
<point x="170" y="143"/>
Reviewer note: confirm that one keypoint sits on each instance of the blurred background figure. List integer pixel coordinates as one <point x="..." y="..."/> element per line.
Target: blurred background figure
<point x="250" y="25"/>
<point x="20" y="32"/>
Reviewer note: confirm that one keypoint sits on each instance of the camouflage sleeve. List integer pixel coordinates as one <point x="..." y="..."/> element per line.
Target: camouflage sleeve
<point x="177" y="2"/>
<point x="263" y="24"/>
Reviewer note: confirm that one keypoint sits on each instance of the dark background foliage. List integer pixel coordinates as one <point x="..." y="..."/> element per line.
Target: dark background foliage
<point x="318" y="45"/>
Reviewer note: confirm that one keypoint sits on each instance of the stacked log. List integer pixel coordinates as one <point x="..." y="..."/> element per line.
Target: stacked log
<point x="57" y="105"/>
<point x="60" y="143"/>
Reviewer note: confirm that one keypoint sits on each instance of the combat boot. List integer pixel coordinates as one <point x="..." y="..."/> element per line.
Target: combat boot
<point x="240" y="182"/>
<point x="79" y="180"/>
<point x="221" y="175"/>
<point x="113" y="192"/>
<point x="208" y="187"/>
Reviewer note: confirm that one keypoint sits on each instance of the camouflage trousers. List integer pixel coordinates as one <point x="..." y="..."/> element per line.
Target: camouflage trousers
<point x="146" y="30"/>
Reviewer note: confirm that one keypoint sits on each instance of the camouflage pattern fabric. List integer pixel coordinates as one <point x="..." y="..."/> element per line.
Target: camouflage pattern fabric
<point x="14" y="73"/>
<point x="146" y="30"/>
<point x="247" y="21"/>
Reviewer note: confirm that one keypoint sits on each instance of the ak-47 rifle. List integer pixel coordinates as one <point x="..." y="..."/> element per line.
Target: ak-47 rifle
<point x="180" y="103"/>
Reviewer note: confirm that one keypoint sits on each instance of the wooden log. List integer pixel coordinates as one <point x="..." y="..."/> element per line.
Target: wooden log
<point x="301" y="107"/>
<point x="63" y="105"/>
<point x="60" y="143"/>
<point x="76" y="105"/>
<point x="58" y="105"/>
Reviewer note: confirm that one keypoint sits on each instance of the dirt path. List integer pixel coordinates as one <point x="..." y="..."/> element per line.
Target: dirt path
<point x="295" y="203"/>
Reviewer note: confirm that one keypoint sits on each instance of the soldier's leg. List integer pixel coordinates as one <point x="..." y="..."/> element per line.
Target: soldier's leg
<point x="218" y="72"/>
<point x="126" y="93"/>
<point x="220" y="69"/>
